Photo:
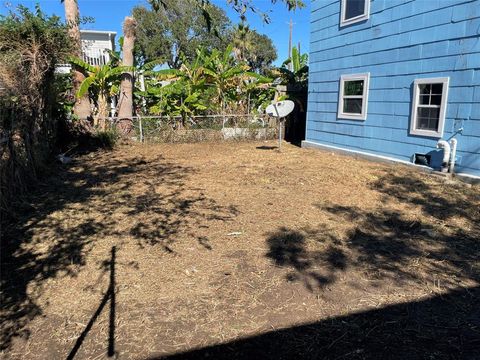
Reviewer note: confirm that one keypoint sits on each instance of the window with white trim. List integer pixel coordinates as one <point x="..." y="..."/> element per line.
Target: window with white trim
<point x="353" y="11"/>
<point x="429" y="107"/>
<point x="353" y="96"/>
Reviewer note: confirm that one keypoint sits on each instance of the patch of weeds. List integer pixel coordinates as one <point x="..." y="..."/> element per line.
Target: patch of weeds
<point x="106" y="139"/>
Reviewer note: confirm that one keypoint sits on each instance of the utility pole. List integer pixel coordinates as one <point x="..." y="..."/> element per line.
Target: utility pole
<point x="290" y="65"/>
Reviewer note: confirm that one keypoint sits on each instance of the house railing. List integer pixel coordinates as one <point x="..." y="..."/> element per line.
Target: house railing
<point x="95" y="56"/>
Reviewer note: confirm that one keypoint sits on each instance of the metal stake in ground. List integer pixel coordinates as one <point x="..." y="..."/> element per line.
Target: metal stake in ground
<point x="280" y="125"/>
<point x="280" y="110"/>
<point x="277" y="114"/>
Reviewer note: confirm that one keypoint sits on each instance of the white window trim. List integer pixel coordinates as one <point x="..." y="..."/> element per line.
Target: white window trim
<point x="363" y="116"/>
<point x="443" y="107"/>
<point x="364" y="16"/>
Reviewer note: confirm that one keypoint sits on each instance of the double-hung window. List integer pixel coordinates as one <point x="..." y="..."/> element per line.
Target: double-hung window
<point x="353" y="96"/>
<point x="353" y="11"/>
<point x="429" y="107"/>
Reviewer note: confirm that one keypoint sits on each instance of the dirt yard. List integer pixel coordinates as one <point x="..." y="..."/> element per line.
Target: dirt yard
<point x="236" y="251"/>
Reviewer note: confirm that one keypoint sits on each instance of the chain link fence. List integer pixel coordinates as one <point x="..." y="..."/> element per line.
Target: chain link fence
<point x="160" y="129"/>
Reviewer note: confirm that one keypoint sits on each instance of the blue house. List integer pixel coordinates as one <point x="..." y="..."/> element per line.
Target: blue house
<point x="393" y="78"/>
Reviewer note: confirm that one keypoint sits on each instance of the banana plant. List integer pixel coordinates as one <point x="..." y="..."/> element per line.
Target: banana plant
<point x="185" y="95"/>
<point x="225" y="75"/>
<point x="299" y="74"/>
<point x="259" y="92"/>
<point x="174" y="101"/>
<point x="146" y="85"/>
<point x="100" y="83"/>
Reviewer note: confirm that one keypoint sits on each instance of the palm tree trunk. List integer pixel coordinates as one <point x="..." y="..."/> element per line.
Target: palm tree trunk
<point x="126" y="87"/>
<point x="82" y="108"/>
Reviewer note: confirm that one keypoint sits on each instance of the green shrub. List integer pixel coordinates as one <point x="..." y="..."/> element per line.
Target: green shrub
<point x="106" y="139"/>
<point x="31" y="44"/>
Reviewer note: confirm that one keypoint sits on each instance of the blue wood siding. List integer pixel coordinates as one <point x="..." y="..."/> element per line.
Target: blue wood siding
<point x="403" y="40"/>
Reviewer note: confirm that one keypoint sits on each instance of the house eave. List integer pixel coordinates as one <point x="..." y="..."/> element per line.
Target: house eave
<point x="98" y="32"/>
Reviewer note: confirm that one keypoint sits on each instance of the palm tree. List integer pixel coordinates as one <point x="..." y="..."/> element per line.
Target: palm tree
<point x="242" y="42"/>
<point x="126" y="87"/>
<point x="82" y="108"/>
<point x="100" y="83"/>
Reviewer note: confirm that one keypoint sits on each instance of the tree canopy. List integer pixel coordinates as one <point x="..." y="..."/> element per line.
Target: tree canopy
<point x="242" y="7"/>
<point x="174" y="32"/>
<point x="178" y="28"/>
<point x="31" y="44"/>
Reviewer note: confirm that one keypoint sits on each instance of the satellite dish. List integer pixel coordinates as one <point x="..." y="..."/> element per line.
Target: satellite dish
<point x="280" y="109"/>
<point x="277" y="81"/>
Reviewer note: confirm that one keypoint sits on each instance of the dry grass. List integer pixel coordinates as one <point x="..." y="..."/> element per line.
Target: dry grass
<point x="216" y="242"/>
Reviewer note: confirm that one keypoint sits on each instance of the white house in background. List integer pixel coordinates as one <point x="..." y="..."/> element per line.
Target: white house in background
<point x="95" y="44"/>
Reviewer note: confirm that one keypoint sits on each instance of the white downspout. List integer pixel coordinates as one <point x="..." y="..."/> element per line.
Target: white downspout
<point x="453" y="144"/>
<point x="442" y="144"/>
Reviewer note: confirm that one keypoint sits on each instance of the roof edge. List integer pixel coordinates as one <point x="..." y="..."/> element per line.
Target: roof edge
<point x="98" y="32"/>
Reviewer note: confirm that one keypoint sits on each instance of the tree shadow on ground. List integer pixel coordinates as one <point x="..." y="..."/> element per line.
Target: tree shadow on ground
<point x="422" y="230"/>
<point x="442" y="244"/>
<point x="104" y="196"/>
<point x="315" y="267"/>
<point x="442" y="327"/>
<point x="441" y="200"/>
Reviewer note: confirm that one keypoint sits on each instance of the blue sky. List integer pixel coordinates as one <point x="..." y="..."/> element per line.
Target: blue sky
<point x="109" y="14"/>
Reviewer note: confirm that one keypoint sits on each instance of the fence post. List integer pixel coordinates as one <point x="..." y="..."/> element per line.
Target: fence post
<point x="141" y="128"/>
<point x="264" y="128"/>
